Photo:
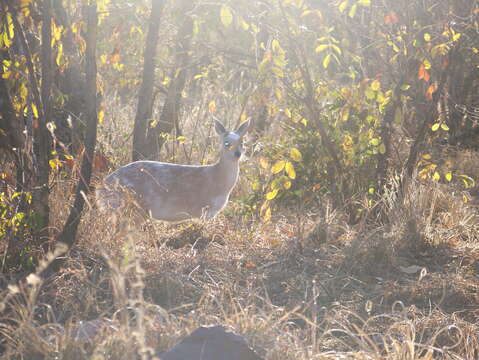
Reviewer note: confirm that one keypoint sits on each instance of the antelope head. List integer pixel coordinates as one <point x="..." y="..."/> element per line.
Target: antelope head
<point x="231" y="143"/>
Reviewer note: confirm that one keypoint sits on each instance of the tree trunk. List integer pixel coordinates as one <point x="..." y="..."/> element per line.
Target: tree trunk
<point x="71" y="82"/>
<point x="41" y="136"/>
<point x="169" y="116"/>
<point x="10" y="127"/>
<point x="69" y="232"/>
<point x="145" y="96"/>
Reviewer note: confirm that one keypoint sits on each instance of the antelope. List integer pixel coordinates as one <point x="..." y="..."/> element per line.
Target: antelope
<point x="174" y="192"/>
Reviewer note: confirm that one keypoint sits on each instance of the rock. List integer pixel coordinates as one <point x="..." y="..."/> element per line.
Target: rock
<point x="211" y="343"/>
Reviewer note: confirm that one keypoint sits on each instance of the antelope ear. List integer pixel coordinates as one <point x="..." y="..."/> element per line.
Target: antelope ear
<point x="243" y="128"/>
<point x="220" y="129"/>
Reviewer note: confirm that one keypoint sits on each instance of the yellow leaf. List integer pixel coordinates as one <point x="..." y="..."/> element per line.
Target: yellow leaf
<point x="343" y="5"/>
<point x="101" y="116"/>
<point x="212" y="106"/>
<point x="374" y="142"/>
<point x="267" y="215"/>
<point x="289" y="168"/>
<point x="278" y="166"/>
<point x="226" y="16"/>
<point x="296" y="155"/>
<point x="287" y="184"/>
<point x="436" y="176"/>
<point x="287" y="112"/>
<point x="244" y="24"/>
<point x="448" y="176"/>
<point x="444" y="127"/>
<point x="264" y="163"/>
<point x="272" y="194"/>
<point x="426" y="156"/>
<point x="375" y="85"/>
<point x="435" y="127"/>
<point x="352" y="11"/>
<point x="326" y="60"/>
<point x="382" y="149"/>
<point x="34" y="111"/>
<point x="322" y="47"/>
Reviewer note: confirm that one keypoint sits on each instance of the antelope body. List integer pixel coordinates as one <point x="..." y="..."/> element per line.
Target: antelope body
<point x="173" y="192"/>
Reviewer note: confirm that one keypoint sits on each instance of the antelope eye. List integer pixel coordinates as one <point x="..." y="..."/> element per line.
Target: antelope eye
<point x="227" y="144"/>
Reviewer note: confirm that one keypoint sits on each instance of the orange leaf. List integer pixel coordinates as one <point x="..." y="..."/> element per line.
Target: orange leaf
<point x="114" y="57"/>
<point x="391" y="18"/>
<point x="421" y="71"/>
<point x="431" y="90"/>
<point x="426" y="76"/>
<point x="423" y="74"/>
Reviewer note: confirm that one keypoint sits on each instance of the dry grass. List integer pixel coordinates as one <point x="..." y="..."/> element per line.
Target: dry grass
<point x="403" y="286"/>
<point x="404" y="290"/>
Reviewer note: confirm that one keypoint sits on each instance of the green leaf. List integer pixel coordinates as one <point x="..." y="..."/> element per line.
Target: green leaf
<point x="296" y="155"/>
<point x="226" y="16"/>
<point x="405" y="87"/>
<point x="374" y="142"/>
<point x="278" y="166"/>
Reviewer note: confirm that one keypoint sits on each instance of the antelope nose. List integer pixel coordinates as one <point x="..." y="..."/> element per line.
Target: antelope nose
<point x="237" y="153"/>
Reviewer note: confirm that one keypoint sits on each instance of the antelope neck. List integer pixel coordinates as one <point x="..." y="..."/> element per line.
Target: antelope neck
<point x="227" y="170"/>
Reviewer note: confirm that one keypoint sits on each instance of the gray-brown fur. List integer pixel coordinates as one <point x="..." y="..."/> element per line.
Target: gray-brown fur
<point x="173" y="192"/>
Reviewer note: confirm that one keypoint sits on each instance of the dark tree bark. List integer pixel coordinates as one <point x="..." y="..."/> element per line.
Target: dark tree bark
<point x="10" y="127"/>
<point x="145" y="96"/>
<point x="71" y="82"/>
<point x="68" y="235"/>
<point x="169" y="116"/>
<point x="41" y="136"/>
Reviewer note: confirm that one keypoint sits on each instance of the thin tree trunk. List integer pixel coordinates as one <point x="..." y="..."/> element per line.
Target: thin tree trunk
<point x="71" y="82"/>
<point x="145" y="96"/>
<point x="68" y="235"/>
<point x="41" y="137"/>
<point x="10" y="127"/>
<point x="169" y="116"/>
